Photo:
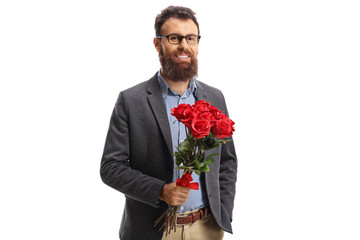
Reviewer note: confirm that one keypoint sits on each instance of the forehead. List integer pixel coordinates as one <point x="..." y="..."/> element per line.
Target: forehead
<point x="179" y="26"/>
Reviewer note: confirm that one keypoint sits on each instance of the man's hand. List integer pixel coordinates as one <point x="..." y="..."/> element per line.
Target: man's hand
<point x="174" y="195"/>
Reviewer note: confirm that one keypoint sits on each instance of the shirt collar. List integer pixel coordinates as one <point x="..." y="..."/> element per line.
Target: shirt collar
<point x="165" y="89"/>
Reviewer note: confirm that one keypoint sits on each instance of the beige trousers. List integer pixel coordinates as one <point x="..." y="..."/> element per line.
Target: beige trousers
<point x="204" y="229"/>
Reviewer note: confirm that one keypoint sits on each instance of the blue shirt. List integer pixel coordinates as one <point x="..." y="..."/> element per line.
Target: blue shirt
<point x="197" y="198"/>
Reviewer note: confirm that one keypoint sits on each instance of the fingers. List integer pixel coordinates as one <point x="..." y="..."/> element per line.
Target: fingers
<point x="180" y="195"/>
<point x="174" y="195"/>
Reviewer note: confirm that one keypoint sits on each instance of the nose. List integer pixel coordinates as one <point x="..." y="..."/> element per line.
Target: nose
<point x="183" y="44"/>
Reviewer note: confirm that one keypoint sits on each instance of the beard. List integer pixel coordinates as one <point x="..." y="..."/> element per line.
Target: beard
<point x="178" y="72"/>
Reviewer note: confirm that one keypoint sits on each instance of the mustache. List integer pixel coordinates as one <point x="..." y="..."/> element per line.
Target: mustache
<point x="182" y="52"/>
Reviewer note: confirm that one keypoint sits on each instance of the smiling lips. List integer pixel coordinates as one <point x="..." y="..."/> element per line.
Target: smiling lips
<point x="182" y="56"/>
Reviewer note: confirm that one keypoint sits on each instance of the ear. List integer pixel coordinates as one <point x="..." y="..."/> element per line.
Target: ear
<point x="156" y="42"/>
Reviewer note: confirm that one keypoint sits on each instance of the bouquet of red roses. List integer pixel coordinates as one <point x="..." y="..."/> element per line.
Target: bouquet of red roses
<point x="206" y="128"/>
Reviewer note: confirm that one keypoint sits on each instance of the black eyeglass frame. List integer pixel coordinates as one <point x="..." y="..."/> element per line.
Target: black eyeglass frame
<point x="189" y="35"/>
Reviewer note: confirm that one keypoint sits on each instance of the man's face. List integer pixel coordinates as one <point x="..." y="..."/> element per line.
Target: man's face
<point x="178" y="62"/>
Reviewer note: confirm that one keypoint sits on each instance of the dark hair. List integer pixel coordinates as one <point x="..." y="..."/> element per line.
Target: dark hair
<point x="175" y="12"/>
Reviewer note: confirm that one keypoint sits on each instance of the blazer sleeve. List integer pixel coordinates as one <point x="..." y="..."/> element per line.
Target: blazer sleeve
<point x="115" y="169"/>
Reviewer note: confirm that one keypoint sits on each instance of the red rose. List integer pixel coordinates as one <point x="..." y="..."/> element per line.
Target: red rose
<point x="202" y="106"/>
<point x="207" y="116"/>
<point x="200" y="128"/>
<point x="214" y="110"/>
<point x="188" y="116"/>
<point x="220" y="115"/>
<point x="178" y="111"/>
<point x="223" y="128"/>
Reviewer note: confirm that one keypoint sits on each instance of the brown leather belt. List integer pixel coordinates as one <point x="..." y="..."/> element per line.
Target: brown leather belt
<point x="192" y="218"/>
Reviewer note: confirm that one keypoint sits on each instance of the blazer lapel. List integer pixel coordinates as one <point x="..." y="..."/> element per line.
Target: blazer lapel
<point x="200" y="92"/>
<point x="157" y="105"/>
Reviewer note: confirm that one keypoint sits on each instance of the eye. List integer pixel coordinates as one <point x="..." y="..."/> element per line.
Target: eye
<point x="174" y="38"/>
<point x="191" y="38"/>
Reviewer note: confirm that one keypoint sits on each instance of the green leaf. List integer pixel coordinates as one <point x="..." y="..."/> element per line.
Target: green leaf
<point x="209" y="143"/>
<point x="209" y="161"/>
<point x="205" y="169"/>
<point x="178" y="161"/>
<point x="184" y="145"/>
<point x="197" y="164"/>
<point x="179" y="158"/>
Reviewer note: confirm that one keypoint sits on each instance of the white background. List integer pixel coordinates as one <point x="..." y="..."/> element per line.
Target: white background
<point x="290" y="74"/>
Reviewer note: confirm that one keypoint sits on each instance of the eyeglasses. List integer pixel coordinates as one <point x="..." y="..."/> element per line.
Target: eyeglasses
<point x="176" y="38"/>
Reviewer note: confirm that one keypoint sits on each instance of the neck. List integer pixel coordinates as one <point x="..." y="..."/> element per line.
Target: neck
<point x="177" y="86"/>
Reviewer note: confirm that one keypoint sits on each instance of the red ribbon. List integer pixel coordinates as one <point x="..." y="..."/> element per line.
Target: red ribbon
<point x="185" y="181"/>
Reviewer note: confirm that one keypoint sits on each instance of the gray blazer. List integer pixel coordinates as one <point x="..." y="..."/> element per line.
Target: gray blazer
<point x="138" y="161"/>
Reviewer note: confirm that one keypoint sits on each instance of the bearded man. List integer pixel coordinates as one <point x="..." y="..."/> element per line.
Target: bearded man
<point x="143" y="135"/>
